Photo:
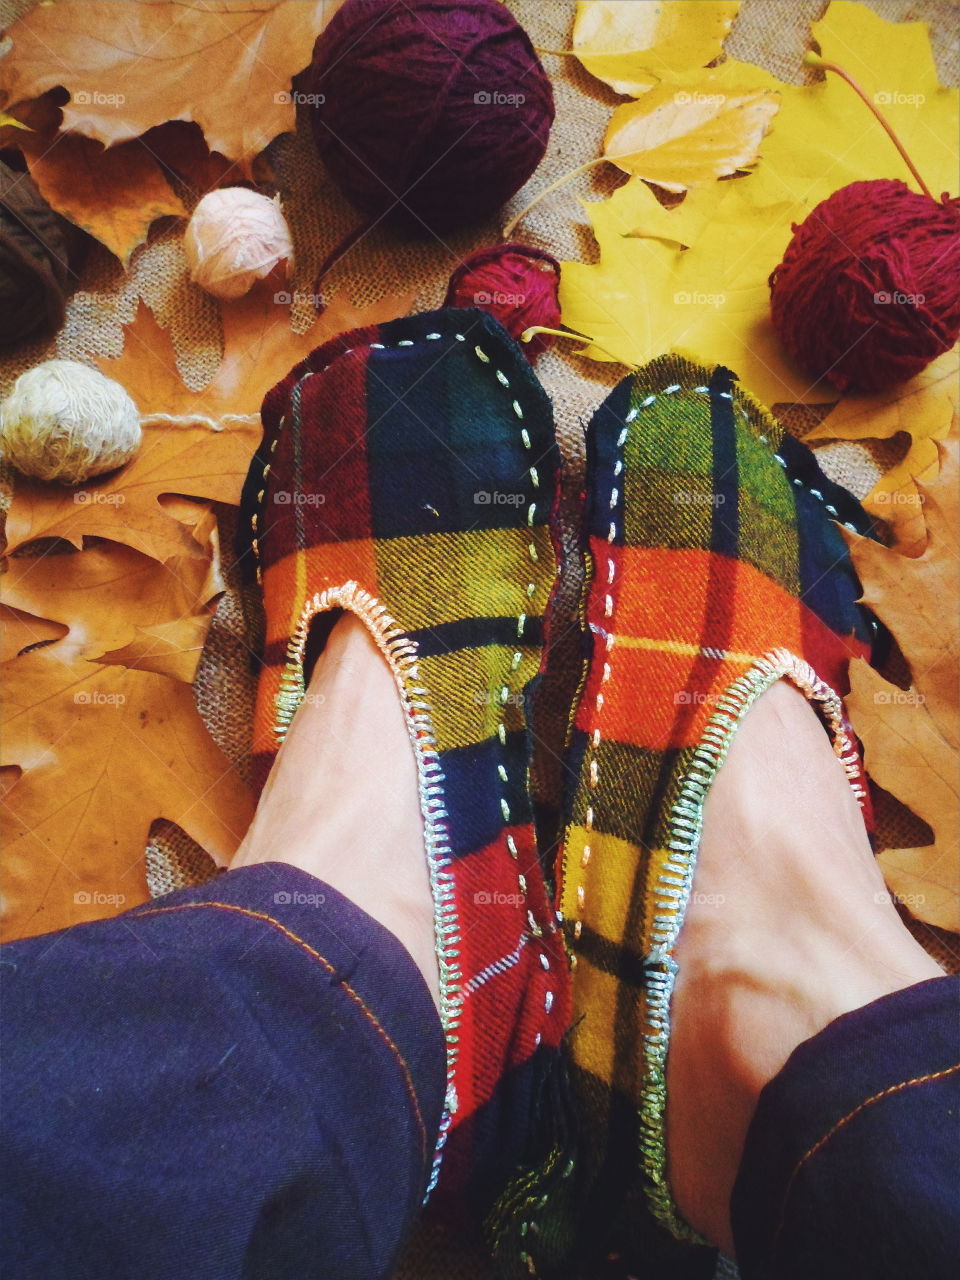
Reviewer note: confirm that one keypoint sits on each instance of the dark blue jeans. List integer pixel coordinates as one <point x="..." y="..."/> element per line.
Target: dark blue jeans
<point x="240" y="1080"/>
<point x="852" y="1161"/>
<point x="244" y="1082"/>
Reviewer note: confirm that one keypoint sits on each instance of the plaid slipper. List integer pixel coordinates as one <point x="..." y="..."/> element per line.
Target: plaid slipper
<point x="716" y="567"/>
<point x="407" y="473"/>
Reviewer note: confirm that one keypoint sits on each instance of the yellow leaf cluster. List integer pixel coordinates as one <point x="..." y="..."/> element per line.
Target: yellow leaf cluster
<point x="694" y="278"/>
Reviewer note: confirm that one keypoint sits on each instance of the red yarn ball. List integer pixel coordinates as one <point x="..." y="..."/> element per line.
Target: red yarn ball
<point x="867" y="293"/>
<point x="433" y="111"/>
<point x="514" y="282"/>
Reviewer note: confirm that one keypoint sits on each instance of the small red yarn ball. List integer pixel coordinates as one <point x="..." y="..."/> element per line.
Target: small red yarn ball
<point x="430" y="112"/>
<point x="514" y="282"/>
<point x="868" y="292"/>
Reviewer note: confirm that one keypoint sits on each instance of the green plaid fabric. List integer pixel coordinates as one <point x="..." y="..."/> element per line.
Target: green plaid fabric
<point x="715" y="566"/>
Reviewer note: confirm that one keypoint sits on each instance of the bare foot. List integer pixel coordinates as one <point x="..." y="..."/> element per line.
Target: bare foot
<point x="342" y="799"/>
<point x="789" y="926"/>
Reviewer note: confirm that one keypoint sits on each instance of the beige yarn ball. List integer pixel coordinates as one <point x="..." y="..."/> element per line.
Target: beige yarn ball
<point x="234" y="238"/>
<point x="65" y="421"/>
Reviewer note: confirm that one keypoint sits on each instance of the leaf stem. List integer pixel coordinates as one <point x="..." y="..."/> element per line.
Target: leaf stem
<point x="814" y="60"/>
<point x="529" y="334"/>
<point x="582" y="168"/>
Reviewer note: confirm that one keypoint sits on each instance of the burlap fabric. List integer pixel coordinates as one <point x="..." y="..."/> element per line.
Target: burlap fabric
<point x="772" y="33"/>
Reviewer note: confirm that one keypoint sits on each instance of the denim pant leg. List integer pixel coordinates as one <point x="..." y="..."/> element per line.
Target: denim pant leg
<point x="242" y="1081"/>
<point x="852" y="1162"/>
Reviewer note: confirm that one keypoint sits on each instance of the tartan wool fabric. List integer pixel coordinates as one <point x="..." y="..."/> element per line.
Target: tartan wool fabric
<point x="407" y="472"/>
<point x="715" y="566"/>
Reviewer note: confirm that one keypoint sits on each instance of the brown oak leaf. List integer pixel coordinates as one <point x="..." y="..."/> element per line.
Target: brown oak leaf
<point x="20" y="629"/>
<point x="129" y="66"/>
<point x="107" y="593"/>
<point x="911" y="736"/>
<point x="99" y="750"/>
<point x="103" y="751"/>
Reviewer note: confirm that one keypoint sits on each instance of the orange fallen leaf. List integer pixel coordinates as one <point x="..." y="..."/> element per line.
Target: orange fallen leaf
<point x="104" y="751"/>
<point x="169" y="649"/>
<point x="925" y="408"/>
<point x="108" y="592"/>
<point x="912" y="737"/>
<point x="114" y="194"/>
<point x="129" y="66"/>
<point x="206" y="451"/>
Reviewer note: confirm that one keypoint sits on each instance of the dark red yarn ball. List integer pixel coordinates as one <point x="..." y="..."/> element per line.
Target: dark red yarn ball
<point x="514" y="282"/>
<point x="868" y="292"/>
<point x="434" y="111"/>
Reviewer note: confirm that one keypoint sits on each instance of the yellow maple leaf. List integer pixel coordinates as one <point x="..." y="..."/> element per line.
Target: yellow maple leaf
<point x="680" y="138"/>
<point x="824" y="137"/>
<point x="648" y="294"/>
<point x="631" y="46"/>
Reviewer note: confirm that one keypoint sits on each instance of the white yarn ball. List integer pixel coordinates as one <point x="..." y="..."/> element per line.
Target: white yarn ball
<point x="234" y="238"/>
<point x="65" y="421"/>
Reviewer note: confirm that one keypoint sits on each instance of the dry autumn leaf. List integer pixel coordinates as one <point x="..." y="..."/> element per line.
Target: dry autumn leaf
<point x="106" y="594"/>
<point x="170" y="648"/>
<point x="925" y="408"/>
<point x="680" y="138"/>
<point x="114" y="194"/>
<point x="630" y="46"/>
<point x="911" y="737"/>
<point x="205" y="453"/>
<point x="129" y="66"/>
<point x="103" y="751"/>
<point x="20" y="629"/>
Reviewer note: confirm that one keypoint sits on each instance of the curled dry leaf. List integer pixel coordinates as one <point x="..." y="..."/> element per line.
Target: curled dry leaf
<point x="911" y="737"/>
<point x="104" y="594"/>
<point x="680" y="138"/>
<point x="169" y="649"/>
<point x="20" y="630"/>
<point x="630" y="46"/>
<point x="129" y="66"/>
<point x="206" y="452"/>
<point x="113" y="193"/>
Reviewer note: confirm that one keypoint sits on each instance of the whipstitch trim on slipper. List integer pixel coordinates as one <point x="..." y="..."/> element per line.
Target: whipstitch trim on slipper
<point x="401" y="655"/>
<point x="675" y="883"/>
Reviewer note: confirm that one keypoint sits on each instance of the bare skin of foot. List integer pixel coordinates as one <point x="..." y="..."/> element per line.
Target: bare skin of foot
<point x="342" y="801"/>
<point x="789" y="926"/>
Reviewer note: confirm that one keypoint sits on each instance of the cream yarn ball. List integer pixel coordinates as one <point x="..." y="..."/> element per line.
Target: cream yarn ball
<point x="65" y="421"/>
<point x="234" y="238"/>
